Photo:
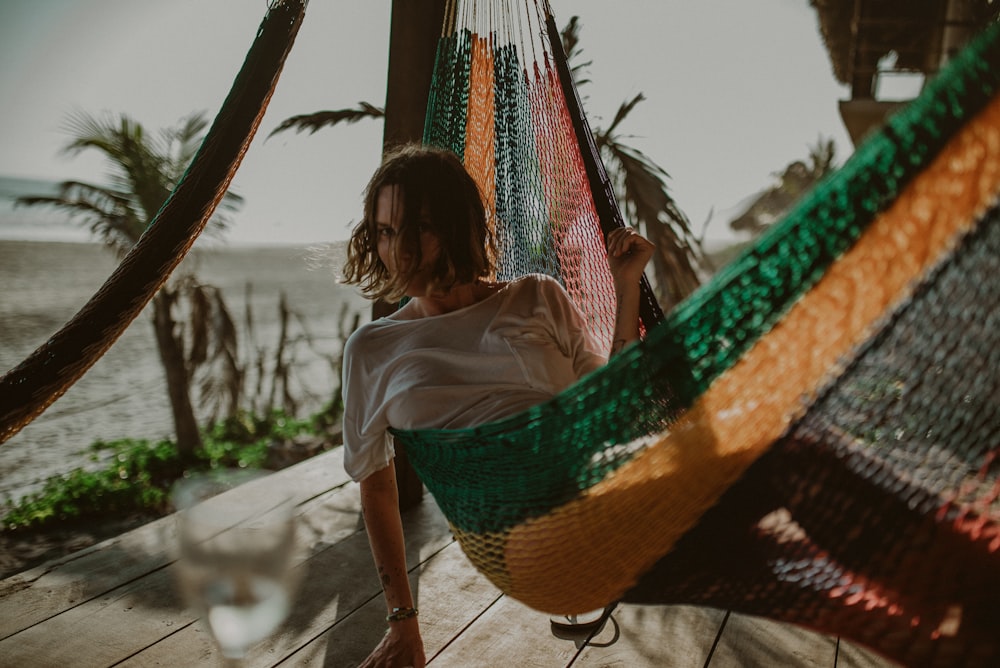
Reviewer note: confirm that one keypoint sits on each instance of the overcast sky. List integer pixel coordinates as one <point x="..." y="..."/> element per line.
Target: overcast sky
<point x="736" y="90"/>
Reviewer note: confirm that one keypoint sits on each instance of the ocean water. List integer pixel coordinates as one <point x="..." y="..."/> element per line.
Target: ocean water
<point x="34" y="223"/>
<point x="48" y="271"/>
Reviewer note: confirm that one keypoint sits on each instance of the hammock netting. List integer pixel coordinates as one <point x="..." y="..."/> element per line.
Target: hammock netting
<point x="811" y="437"/>
<point x="498" y="100"/>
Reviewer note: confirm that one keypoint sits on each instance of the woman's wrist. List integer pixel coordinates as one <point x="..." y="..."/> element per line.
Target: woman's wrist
<point x="400" y="614"/>
<point x="404" y="628"/>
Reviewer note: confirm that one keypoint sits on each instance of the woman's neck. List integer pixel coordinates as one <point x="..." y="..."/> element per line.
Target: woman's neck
<point x="458" y="297"/>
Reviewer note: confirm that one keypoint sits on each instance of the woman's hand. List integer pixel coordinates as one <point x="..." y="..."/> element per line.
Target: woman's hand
<point x="628" y="254"/>
<point x="401" y="647"/>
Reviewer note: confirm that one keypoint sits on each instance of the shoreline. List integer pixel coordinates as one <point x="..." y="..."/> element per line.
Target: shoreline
<point x="123" y="395"/>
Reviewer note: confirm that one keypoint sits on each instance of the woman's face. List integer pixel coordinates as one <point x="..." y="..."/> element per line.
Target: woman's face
<point x="388" y="221"/>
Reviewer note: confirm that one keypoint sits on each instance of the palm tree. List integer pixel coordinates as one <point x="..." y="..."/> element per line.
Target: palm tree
<point x="793" y="182"/>
<point x="639" y="184"/>
<point x="144" y="169"/>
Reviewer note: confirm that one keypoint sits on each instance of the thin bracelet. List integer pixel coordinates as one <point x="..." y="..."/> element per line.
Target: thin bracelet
<point x="399" y="614"/>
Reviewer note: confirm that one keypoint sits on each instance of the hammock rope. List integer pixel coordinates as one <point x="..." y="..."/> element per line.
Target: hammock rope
<point x="812" y="436"/>
<point x="605" y="201"/>
<point x="32" y="386"/>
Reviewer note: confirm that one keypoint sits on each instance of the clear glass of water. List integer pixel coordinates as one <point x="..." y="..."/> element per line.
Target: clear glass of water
<point x="236" y="554"/>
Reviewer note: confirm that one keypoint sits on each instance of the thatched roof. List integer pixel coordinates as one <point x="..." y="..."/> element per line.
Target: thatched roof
<point x="835" y="29"/>
<point x="911" y="28"/>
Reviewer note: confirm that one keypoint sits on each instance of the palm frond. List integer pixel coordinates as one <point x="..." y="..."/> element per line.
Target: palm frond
<point x="570" y="36"/>
<point x="110" y="214"/>
<point x="822" y="157"/>
<point x="198" y="322"/>
<point x="230" y="204"/>
<point x="623" y="111"/>
<point x="191" y="129"/>
<point x="182" y="142"/>
<point x="89" y="131"/>
<point x="101" y="198"/>
<point x="214" y="354"/>
<point x="92" y="213"/>
<point x="321" y="119"/>
<point x="641" y="185"/>
<point x="143" y="171"/>
<point x="790" y="185"/>
<point x="148" y="166"/>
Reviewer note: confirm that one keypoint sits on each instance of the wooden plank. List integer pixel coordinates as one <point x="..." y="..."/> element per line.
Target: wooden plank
<point x="338" y="580"/>
<point x="33" y="596"/>
<point x="116" y="604"/>
<point x="449" y="592"/>
<point x="139" y="613"/>
<point x="850" y="655"/>
<point x="103" y="630"/>
<point x="655" y="637"/>
<point x="754" y="641"/>
<point x="508" y="633"/>
<point x="58" y="585"/>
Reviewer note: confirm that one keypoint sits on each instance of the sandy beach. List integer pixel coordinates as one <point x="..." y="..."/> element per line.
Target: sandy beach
<point x="123" y="395"/>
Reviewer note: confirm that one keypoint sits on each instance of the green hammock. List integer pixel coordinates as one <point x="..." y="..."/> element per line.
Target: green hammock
<point x="811" y="437"/>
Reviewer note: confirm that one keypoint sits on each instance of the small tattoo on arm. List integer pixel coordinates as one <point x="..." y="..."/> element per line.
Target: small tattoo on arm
<point x="617" y="345"/>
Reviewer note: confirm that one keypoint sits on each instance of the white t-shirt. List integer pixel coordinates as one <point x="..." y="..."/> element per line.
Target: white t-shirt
<point x="516" y="348"/>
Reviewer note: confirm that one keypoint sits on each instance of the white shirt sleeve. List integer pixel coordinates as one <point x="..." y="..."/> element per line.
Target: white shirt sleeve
<point x="368" y="446"/>
<point x="574" y="337"/>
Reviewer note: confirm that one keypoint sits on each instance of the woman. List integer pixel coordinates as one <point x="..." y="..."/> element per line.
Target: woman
<point x="464" y="350"/>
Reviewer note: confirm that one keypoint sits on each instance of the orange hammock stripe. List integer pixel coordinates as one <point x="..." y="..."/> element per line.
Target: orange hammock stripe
<point x="479" y="129"/>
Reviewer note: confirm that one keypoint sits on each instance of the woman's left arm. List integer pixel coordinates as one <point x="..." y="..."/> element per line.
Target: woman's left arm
<point x="628" y="254"/>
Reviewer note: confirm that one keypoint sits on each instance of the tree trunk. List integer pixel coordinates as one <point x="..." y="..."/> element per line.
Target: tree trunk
<point x="413" y="37"/>
<point x="178" y="385"/>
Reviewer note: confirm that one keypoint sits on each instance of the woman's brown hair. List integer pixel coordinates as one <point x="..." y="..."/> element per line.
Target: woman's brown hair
<point x="438" y="192"/>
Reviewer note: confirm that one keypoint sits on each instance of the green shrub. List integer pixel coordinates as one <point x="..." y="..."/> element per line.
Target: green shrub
<point x="136" y="478"/>
<point x="137" y="475"/>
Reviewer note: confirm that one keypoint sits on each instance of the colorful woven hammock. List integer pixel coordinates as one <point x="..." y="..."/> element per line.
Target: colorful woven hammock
<point x="811" y="437"/>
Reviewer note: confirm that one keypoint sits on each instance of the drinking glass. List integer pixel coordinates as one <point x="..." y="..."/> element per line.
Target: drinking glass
<point x="236" y="549"/>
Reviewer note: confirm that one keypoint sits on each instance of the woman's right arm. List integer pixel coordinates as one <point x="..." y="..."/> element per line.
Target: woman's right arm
<point x="628" y="254"/>
<point x="402" y="645"/>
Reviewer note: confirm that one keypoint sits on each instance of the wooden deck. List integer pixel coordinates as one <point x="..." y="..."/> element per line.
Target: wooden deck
<point x="115" y="604"/>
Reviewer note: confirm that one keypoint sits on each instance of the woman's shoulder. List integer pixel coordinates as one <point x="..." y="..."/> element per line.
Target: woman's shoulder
<point x="542" y="286"/>
<point x="370" y="334"/>
<point x="536" y="282"/>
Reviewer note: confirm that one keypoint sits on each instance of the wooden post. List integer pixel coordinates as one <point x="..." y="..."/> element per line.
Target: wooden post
<point x="413" y="36"/>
